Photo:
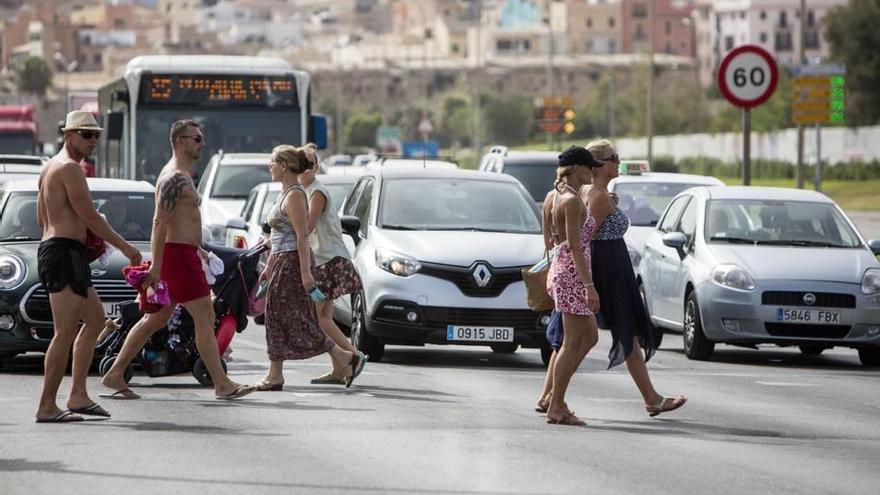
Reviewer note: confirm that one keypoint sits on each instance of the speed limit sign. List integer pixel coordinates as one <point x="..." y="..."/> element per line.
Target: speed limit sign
<point x="747" y="76"/>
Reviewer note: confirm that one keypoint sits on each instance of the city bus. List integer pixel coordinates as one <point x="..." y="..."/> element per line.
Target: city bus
<point x="243" y="104"/>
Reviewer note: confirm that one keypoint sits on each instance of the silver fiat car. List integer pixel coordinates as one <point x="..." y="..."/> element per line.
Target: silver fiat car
<point x="440" y="252"/>
<point x="756" y="265"/>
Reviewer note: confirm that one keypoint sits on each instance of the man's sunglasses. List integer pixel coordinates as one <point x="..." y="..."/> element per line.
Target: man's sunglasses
<point x="89" y="134"/>
<point x="197" y="139"/>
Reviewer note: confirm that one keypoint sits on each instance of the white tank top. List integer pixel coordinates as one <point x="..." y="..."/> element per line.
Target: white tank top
<point x="326" y="239"/>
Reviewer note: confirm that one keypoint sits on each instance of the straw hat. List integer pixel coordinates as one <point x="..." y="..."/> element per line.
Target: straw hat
<point x="81" y="119"/>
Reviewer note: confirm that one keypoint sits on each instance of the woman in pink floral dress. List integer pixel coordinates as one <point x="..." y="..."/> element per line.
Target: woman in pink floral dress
<point x="570" y="282"/>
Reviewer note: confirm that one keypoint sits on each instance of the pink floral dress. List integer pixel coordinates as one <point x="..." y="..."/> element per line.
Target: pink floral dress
<point x="563" y="282"/>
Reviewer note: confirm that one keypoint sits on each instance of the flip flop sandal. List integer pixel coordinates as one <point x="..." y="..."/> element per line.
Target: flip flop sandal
<point x="62" y="417"/>
<point x="267" y="386"/>
<point x="542" y="407"/>
<point x="92" y="410"/>
<point x="567" y="420"/>
<point x="124" y="394"/>
<point x="658" y="409"/>
<point x="358" y="362"/>
<point x="327" y="379"/>
<point x="238" y="393"/>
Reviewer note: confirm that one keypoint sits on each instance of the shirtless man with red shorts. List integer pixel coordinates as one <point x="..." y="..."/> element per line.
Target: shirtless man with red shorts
<point x="177" y="235"/>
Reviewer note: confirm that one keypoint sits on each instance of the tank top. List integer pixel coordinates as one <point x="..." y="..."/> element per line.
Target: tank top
<point x="326" y="239"/>
<point x="614" y="226"/>
<point x="283" y="237"/>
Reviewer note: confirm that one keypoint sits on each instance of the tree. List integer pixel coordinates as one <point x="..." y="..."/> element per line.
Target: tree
<point x="852" y="32"/>
<point x="510" y="119"/>
<point x="34" y="76"/>
<point x="360" y="129"/>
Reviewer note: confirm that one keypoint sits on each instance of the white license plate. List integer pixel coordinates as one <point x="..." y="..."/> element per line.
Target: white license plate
<point x="808" y="316"/>
<point x="479" y="334"/>
<point x="112" y="310"/>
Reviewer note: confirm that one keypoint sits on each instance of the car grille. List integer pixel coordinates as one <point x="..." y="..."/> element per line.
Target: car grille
<point x="823" y="299"/>
<point x="463" y="278"/>
<point x="36" y="306"/>
<point x="807" y="331"/>
<point x="519" y="319"/>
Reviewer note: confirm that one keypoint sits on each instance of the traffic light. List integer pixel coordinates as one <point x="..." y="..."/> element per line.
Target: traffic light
<point x="569" y="127"/>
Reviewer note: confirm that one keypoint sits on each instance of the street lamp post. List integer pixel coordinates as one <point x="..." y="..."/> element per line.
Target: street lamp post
<point x="550" y="49"/>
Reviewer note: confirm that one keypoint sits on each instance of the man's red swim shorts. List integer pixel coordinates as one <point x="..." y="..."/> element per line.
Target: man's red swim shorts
<point x="182" y="271"/>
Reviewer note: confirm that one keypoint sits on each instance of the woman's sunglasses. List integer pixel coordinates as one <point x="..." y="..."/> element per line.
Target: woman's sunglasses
<point x="89" y="134"/>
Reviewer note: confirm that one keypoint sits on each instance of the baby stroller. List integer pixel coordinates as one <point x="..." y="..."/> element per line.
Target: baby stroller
<point x="172" y="350"/>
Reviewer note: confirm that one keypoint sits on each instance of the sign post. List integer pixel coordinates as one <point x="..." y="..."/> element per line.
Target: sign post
<point x="819" y="98"/>
<point x="747" y="77"/>
<point x="554" y="114"/>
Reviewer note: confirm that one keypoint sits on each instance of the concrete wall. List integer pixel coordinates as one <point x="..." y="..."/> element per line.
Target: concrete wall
<point x="838" y="144"/>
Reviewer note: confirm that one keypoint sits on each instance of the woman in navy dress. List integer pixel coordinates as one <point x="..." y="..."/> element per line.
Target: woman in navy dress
<point x="622" y="310"/>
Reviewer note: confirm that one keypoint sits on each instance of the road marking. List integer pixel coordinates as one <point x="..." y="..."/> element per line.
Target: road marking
<point x="787" y="384"/>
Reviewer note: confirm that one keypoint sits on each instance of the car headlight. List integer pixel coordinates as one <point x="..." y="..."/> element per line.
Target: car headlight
<point x="733" y="276"/>
<point x="634" y="257"/>
<point x="396" y="263"/>
<point x="871" y="281"/>
<point x="12" y="271"/>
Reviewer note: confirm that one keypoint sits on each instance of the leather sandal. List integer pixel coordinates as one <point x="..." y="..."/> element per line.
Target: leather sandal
<point x="662" y="407"/>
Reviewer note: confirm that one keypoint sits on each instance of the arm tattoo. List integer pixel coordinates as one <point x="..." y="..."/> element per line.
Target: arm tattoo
<point x="171" y="191"/>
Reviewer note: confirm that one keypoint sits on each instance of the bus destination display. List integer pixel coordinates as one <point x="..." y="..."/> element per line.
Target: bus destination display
<point x="220" y="89"/>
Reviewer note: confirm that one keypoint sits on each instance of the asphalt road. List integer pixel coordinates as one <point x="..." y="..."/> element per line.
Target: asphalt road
<point x="460" y="420"/>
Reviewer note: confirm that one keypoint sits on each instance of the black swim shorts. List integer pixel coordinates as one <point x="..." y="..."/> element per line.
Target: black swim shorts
<point x="62" y="262"/>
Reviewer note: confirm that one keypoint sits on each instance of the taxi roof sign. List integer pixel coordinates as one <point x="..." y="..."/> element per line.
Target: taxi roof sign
<point x="633" y="167"/>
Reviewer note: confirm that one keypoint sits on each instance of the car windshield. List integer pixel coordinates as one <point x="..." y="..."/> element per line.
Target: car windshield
<point x="271" y="196"/>
<point x="236" y="181"/>
<point x="457" y="204"/>
<point x="784" y="223"/>
<point x="644" y="202"/>
<point x="338" y="192"/>
<point x="536" y="177"/>
<point x="129" y="213"/>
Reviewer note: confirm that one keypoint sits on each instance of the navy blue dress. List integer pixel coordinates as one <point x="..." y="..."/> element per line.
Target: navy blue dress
<point x="621" y="308"/>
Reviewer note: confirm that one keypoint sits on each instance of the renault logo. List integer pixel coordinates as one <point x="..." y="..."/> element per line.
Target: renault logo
<point x="482" y="275"/>
<point x="809" y="299"/>
<point x="97" y="273"/>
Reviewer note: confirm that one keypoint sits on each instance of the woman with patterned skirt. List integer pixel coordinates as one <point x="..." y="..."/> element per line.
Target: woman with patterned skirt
<point x="335" y="275"/>
<point x="292" y="330"/>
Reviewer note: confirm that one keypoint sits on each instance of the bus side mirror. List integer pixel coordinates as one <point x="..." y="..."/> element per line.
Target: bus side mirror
<point x="318" y="131"/>
<point x="113" y="129"/>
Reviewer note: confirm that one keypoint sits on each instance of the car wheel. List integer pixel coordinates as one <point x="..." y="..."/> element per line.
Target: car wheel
<point x="504" y="348"/>
<point x="870" y="356"/>
<point x="360" y="338"/>
<point x="812" y="350"/>
<point x="200" y="372"/>
<point x="656" y="332"/>
<point x="546" y="353"/>
<point x="696" y="345"/>
<point x="107" y="363"/>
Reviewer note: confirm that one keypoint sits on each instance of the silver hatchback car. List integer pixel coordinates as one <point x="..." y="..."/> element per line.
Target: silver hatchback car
<point x="440" y="253"/>
<point x="752" y="265"/>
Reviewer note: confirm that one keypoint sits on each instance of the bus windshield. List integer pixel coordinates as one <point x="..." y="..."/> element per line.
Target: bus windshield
<point x="238" y="129"/>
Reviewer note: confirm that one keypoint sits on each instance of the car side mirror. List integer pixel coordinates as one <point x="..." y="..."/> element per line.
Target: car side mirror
<point x="351" y="225"/>
<point x="236" y="223"/>
<point x="874" y="245"/>
<point x="676" y="240"/>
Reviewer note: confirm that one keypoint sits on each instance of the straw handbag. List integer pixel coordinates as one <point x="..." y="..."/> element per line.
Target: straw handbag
<point x="535" y="278"/>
